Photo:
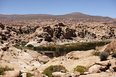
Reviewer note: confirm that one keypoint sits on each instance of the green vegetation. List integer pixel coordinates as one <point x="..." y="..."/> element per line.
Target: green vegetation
<point x="103" y="56"/>
<point x="56" y="68"/>
<point x="63" y="49"/>
<point x="2" y="70"/>
<point x="96" y="53"/>
<point x="80" y="69"/>
<point x="23" y="34"/>
<point x="114" y="54"/>
<point x="108" y="51"/>
<point x="29" y="74"/>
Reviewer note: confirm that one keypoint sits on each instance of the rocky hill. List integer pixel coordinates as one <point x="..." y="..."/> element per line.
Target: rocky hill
<point x="63" y="34"/>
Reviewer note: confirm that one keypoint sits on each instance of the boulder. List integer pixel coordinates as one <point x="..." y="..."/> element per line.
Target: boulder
<point x="56" y="74"/>
<point x="103" y="63"/>
<point x="69" y="33"/>
<point x="59" y="74"/>
<point x="76" y="74"/>
<point x="81" y="34"/>
<point x="43" y="58"/>
<point x="111" y="46"/>
<point x="16" y="73"/>
<point x="38" y="74"/>
<point x="113" y="65"/>
<point x="94" y="69"/>
<point x="63" y="71"/>
<point x="24" y="75"/>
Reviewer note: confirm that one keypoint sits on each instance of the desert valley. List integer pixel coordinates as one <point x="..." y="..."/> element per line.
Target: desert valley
<point x="70" y="45"/>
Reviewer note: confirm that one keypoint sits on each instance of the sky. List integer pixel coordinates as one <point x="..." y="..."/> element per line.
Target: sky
<point x="59" y="7"/>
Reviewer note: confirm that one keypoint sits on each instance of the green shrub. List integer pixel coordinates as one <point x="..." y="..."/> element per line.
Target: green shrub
<point x="30" y="45"/>
<point x="29" y="74"/>
<point x="108" y="51"/>
<point x="103" y="56"/>
<point x="114" y="54"/>
<point x="2" y="70"/>
<point x="80" y="69"/>
<point x="96" y="53"/>
<point x="63" y="49"/>
<point x="56" y="68"/>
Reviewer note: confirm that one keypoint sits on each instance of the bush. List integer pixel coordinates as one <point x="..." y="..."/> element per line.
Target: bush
<point x="80" y="69"/>
<point x="108" y="51"/>
<point x="114" y="54"/>
<point x="64" y="49"/>
<point x="2" y="70"/>
<point x="29" y="74"/>
<point x="56" y="68"/>
<point x="103" y="56"/>
<point x="96" y="53"/>
<point x="30" y="45"/>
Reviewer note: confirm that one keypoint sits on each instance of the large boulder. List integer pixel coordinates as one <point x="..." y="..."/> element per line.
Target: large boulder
<point x="16" y="73"/>
<point x="111" y="46"/>
<point x="69" y="33"/>
<point x="103" y="63"/>
<point x="94" y="69"/>
<point x="43" y="59"/>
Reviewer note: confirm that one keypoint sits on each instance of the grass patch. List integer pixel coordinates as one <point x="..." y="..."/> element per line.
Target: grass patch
<point x="2" y="70"/>
<point x="80" y="69"/>
<point x="96" y="53"/>
<point x="56" y="68"/>
<point x="29" y="74"/>
<point x="63" y="49"/>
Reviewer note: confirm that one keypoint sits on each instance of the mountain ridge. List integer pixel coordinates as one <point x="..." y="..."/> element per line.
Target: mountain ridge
<point x="69" y="15"/>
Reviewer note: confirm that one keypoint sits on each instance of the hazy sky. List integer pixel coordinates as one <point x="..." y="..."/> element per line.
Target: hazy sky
<point x="58" y="7"/>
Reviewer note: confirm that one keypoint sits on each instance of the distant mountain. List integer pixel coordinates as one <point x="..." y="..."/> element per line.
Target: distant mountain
<point x="76" y="15"/>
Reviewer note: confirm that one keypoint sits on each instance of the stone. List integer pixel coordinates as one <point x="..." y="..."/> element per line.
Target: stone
<point x="56" y="74"/>
<point x="43" y="58"/>
<point x="63" y="71"/>
<point x="24" y="75"/>
<point x="94" y="69"/>
<point x="59" y="74"/>
<point x="15" y="73"/>
<point x="76" y="74"/>
<point x="38" y="74"/>
<point x="103" y="63"/>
